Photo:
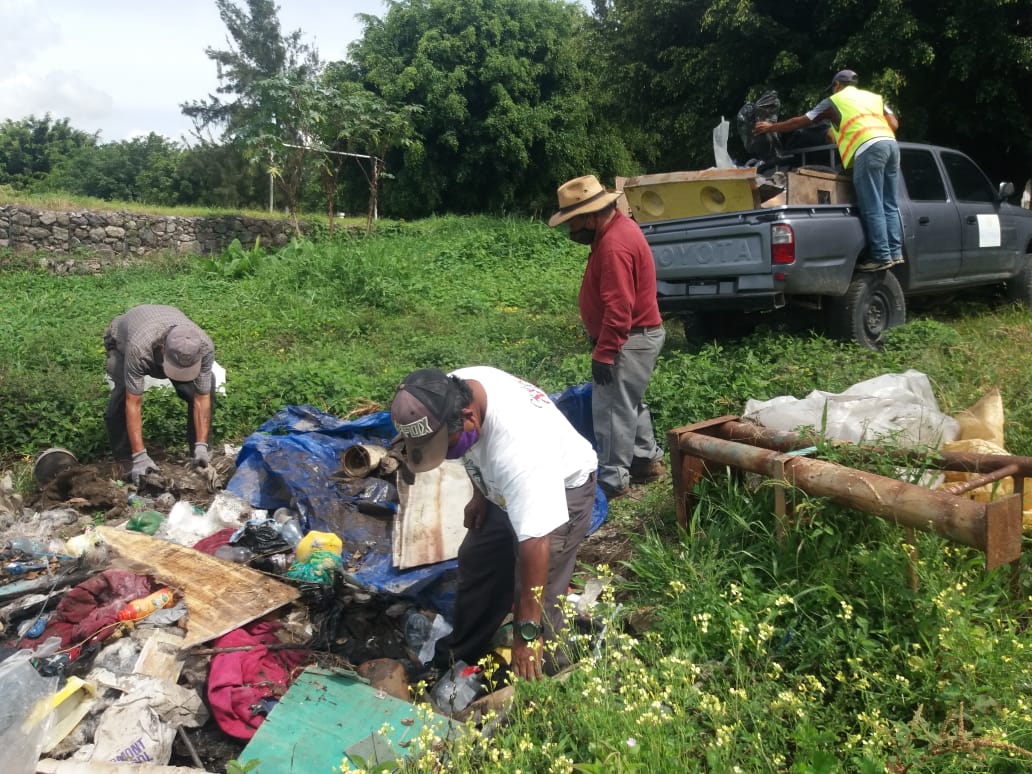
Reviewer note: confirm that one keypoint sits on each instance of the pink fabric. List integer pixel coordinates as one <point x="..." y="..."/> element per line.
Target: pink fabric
<point x="240" y="680"/>
<point x="87" y="611"/>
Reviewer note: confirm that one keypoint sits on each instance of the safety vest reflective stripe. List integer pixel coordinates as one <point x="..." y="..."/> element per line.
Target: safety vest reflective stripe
<point x="863" y="119"/>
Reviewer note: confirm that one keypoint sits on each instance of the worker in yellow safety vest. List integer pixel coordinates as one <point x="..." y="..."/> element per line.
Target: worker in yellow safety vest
<point x="864" y="128"/>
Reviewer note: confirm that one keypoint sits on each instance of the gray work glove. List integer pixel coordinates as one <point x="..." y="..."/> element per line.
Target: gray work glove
<point x="200" y="455"/>
<point x="142" y="465"/>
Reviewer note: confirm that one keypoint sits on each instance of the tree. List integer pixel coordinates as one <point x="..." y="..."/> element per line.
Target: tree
<point x="265" y="93"/>
<point x="31" y="147"/>
<point x="506" y="96"/>
<point x="143" y="169"/>
<point x="358" y="126"/>
<point x="958" y="72"/>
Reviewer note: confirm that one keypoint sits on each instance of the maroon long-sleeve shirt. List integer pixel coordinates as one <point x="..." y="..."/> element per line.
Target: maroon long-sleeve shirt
<point x="618" y="291"/>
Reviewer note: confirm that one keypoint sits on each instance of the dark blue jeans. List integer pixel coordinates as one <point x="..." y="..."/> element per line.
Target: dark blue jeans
<point x="876" y="182"/>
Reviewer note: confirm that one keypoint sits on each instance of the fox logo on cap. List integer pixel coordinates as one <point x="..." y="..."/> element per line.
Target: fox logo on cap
<point x="418" y="429"/>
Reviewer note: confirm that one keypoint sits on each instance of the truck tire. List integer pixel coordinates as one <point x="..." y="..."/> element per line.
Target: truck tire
<point x="871" y="305"/>
<point x="1019" y="289"/>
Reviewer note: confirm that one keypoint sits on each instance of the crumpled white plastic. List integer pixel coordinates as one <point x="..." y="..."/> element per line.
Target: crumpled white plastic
<point x="896" y="408"/>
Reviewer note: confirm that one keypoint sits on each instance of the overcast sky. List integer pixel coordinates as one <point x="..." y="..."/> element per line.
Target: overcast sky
<point x="124" y="66"/>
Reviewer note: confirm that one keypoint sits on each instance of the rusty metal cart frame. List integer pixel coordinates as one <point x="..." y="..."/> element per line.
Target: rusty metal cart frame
<point x="993" y="528"/>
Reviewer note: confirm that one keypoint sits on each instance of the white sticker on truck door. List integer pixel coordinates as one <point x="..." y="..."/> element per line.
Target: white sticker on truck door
<point x="988" y="230"/>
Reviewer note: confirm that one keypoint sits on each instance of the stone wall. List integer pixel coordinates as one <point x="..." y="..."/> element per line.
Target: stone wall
<point x="125" y="235"/>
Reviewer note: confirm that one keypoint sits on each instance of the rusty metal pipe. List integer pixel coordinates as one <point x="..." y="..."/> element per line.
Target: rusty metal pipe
<point x="966" y="486"/>
<point x="956" y="518"/>
<point x="967" y="462"/>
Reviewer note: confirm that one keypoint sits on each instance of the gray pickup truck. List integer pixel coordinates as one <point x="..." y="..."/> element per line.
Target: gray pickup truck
<point x="958" y="232"/>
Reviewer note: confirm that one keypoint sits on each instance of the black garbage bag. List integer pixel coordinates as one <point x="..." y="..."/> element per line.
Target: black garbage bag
<point x="765" y="108"/>
<point x="261" y="538"/>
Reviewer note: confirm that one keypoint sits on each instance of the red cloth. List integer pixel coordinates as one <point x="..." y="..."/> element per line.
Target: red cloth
<point x="240" y="680"/>
<point x="618" y="291"/>
<point x="88" y="610"/>
<point x="212" y="543"/>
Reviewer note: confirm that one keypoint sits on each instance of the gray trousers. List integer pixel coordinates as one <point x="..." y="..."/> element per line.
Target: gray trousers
<point x="622" y="422"/>
<point x="487" y="577"/>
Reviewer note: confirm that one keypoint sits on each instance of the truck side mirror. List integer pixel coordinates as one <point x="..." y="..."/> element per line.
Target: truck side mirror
<point x="1005" y="191"/>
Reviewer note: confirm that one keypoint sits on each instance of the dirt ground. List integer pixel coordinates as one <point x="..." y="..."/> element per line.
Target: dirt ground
<point x="90" y="494"/>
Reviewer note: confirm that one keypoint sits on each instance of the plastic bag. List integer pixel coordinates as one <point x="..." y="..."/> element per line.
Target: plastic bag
<point x="146" y="522"/>
<point x="721" y="158"/>
<point x="319" y="567"/>
<point x="900" y="406"/>
<point x="262" y="537"/>
<point x="25" y="714"/>
<point x="765" y="108"/>
<point x="372" y="496"/>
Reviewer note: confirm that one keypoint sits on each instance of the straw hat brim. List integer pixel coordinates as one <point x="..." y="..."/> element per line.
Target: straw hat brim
<point x="586" y="208"/>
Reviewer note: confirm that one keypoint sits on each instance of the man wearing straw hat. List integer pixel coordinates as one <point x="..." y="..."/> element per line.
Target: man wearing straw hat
<point x="621" y="315"/>
<point x="163" y="343"/>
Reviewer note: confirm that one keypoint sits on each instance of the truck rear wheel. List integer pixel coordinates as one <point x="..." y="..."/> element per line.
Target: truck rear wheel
<point x="872" y="304"/>
<point x="1019" y="289"/>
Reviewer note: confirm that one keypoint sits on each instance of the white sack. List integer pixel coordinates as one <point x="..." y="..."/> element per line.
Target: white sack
<point x="896" y="408"/>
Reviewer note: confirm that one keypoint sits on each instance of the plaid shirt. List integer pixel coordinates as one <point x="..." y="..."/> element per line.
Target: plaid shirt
<point x="138" y="336"/>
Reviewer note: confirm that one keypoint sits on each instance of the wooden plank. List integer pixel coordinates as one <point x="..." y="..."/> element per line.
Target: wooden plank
<point x="220" y="596"/>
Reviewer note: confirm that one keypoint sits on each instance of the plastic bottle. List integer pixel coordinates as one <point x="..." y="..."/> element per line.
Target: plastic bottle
<point x="417" y="629"/>
<point x="29" y="546"/>
<point x="232" y="553"/>
<point x="21" y="568"/>
<point x="141" y="608"/>
<point x="458" y="687"/>
<point x="291" y="531"/>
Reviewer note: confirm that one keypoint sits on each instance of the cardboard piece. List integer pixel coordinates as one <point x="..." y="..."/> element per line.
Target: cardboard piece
<point x="220" y="596"/>
<point x="672" y="195"/>
<point x="429" y="525"/>
<point x="809" y="186"/>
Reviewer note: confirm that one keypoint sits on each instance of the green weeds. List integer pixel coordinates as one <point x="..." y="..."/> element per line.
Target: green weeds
<point x="725" y="648"/>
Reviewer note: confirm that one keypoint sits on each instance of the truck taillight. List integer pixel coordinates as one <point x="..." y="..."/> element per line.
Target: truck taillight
<point x="782" y="244"/>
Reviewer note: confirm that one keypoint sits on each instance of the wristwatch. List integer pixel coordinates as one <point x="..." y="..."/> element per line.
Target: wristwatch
<point x="529" y="631"/>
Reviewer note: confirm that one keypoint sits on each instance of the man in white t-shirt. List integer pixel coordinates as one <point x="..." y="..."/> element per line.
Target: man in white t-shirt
<point x="534" y="485"/>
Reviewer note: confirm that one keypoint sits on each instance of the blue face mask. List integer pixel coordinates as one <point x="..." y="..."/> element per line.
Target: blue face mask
<point x="461" y="446"/>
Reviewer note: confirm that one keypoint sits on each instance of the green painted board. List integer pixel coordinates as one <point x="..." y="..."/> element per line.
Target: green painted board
<point x="325" y="714"/>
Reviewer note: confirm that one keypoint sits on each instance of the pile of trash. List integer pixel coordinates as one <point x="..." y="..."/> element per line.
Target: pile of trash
<point x="159" y="630"/>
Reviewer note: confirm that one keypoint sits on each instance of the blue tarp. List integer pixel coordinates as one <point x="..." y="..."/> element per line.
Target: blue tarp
<point x="288" y="462"/>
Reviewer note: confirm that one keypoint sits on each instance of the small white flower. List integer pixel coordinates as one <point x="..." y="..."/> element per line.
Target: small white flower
<point x="632" y="742"/>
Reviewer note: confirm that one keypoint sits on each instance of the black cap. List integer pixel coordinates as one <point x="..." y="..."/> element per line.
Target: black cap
<point x="420" y="411"/>
<point x="844" y="76"/>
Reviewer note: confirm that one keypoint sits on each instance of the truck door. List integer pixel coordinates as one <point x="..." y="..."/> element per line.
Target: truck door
<point x="933" y="239"/>
<point x="985" y="240"/>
